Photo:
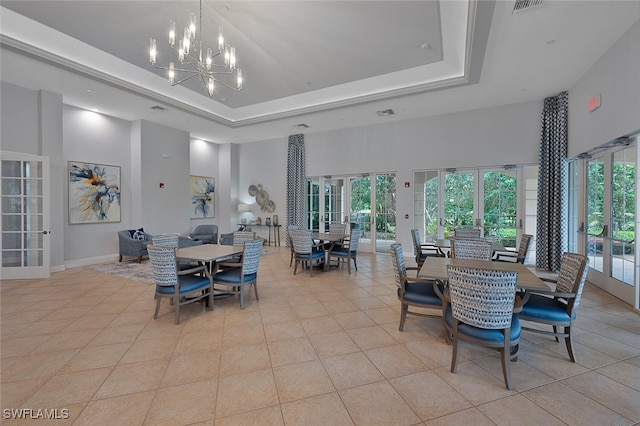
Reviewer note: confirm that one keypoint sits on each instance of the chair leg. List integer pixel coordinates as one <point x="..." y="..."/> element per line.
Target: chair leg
<point x="568" y="342"/>
<point x="455" y="354"/>
<point x="158" y="300"/>
<point x="311" y="267"/>
<point x="404" y="309"/>
<point x="506" y="367"/>
<point x="555" y="331"/>
<point x="241" y="290"/>
<point x="177" y="308"/>
<point x="139" y="259"/>
<point x="120" y="259"/>
<point x="211" y="298"/>
<point x="295" y="268"/>
<point x="348" y="265"/>
<point x="355" y="264"/>
<point x="255" y="290"/>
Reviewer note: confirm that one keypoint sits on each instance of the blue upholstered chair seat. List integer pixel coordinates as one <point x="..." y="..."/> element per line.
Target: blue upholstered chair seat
<point x="233" y="276"/>
<point x="546" y="309"/>
<point x="342" y="251"/>
<point x="483" y="333"/>
<point x="421" y="293"/>
<point x="188" y="283"/>
<point x="315" y="254"/>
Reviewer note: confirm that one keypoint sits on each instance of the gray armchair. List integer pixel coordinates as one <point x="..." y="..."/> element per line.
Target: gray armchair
<point x="208" y="234"/>
<point x="128" y="246"/>
<point x="227" y="239"/>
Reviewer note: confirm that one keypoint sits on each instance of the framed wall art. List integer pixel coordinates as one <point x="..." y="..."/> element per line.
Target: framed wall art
<point x="202" y="196"/>
<point x="94" y="193"/>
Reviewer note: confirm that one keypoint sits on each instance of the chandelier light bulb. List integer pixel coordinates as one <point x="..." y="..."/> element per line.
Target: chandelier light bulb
<point x="232" y="58"/>
<point x="209" y="58"/>
<point x="172" y="73"/>
<point x="226" y="56"/>
<point x="152" y="50"/>
<point x="239" y="78"/>
<point x="192" y="25"/>
<point x="211" y="86"/>
<point x="220" y="39"/>
<point x="186" y="42"/>
<point x="181" y="51"/>
<point x="172" y="33"/>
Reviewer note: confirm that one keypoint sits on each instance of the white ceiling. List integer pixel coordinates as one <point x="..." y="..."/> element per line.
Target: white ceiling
<point x="327" y="64"/>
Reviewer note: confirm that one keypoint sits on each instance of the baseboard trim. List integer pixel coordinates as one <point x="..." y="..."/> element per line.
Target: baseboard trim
<point x="87" y="261"/>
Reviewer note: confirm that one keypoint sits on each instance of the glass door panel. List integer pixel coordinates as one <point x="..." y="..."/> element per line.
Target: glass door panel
<point x="334" y="198"/>
<point x="360" y="208"/>
<point x="385" y="212"/>
<point x="623" y="203"/>
<point x="500" y="206"/>
<point x="595" y="209"/>
<point x="426" y="203"/>
<point x="313" y="204"/>
<point x="459" y="201"/>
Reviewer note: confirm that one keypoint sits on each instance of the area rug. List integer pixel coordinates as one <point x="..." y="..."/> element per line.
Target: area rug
<point x="130" y="270"/>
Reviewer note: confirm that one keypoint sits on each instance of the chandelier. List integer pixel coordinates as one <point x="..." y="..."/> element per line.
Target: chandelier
<point x="195" y="61"/>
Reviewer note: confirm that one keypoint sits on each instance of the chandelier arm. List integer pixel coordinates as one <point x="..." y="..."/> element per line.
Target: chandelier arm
<point x="194" y="74"/>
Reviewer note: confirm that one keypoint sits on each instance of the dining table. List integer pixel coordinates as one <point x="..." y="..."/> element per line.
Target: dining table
<point x="330" y="240"/>
<point x="435" y="268"/>
<point x="209" y="254"/>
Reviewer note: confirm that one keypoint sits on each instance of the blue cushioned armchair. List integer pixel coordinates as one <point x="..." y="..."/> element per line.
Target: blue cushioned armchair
<point x="208" y="234"/>
<point x="128" y="246"/>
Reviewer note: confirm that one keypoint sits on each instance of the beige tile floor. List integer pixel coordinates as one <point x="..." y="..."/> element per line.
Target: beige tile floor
<point x="315" y="351"/>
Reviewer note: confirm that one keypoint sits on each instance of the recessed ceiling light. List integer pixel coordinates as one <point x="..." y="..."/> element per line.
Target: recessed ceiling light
<point x="89" y="90"/>
<point x="550" y="42"/>
<point x="425" y="46"/>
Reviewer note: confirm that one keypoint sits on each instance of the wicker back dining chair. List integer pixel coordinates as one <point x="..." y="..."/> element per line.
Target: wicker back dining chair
<point x="234" y="280"/>
<point x="337" y="228"/>
<point x="305" y="252"/>
<point x="519" y="256"/>
<point x="482" y="312"/>
<point x="467" y="233"/>
<point x="558" y="308"/>
<point x="413" y="291"/>
<point x="422" y="251"/>
<point x="289" y="229"/>
<point x="182" y="287"/>
<point x="348" y="250"/>
<point x="472" y="249"/>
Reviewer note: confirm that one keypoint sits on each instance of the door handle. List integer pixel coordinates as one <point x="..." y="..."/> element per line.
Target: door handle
<point x="44" y="232"/>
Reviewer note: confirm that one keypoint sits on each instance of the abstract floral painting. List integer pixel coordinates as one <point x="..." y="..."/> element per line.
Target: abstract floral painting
<point x="202" y="196"/>
<point x="94" y="193"/>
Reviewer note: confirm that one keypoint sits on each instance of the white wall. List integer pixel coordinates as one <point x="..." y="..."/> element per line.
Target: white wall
<point x="165" y="159"/>
<point x="18" y="119"/>
<point x="95" y="138"/>
<point x="616" y="77"/>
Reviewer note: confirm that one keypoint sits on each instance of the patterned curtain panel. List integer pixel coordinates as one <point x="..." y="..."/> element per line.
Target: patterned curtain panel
<point x="296" y="177"/>
<point x="553" y="195"/>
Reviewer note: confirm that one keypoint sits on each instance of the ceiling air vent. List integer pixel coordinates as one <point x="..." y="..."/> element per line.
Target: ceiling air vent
<point x="522" y="5"/>
<point x="385" y="112"/>
<point x="300" y="126"/>
<point x="158" y="108"/>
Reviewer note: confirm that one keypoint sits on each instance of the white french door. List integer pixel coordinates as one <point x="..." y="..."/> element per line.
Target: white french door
<point x="610" y="221"/>
<point x="24" y="203"/>
<point x="491" y="200"/>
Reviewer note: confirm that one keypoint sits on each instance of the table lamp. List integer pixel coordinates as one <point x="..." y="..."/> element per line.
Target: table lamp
<point x="242" y="209"/>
